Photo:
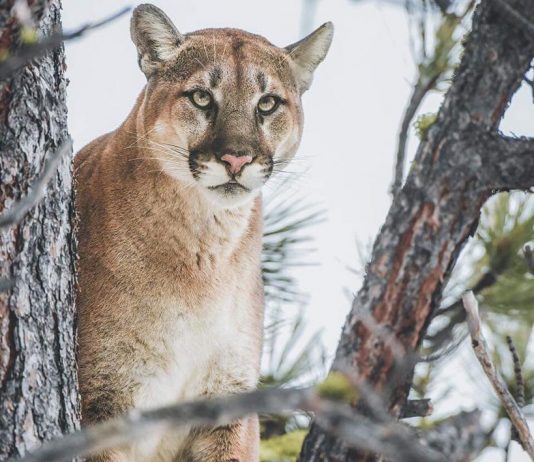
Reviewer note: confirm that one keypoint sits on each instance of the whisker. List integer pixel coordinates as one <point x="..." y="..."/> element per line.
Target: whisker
<point x="199" y="62"/>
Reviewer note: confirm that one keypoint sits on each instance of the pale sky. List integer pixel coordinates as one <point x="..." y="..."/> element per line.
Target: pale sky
<point x="352" y="113"/>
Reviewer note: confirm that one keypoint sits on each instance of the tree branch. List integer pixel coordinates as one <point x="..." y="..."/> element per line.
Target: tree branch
<point x="37" y="190"/>
<point x="29" y="52"/>
<point x="499" y="385"/>
<point x="460" y="437"/>
<point x="508" y="163"/>
<point x="398" y="441"/>
<point x="433" y="215"/>
<point x="418" y="94"/>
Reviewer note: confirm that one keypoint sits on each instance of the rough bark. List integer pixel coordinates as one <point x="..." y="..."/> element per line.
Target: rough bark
<point x="459" y="164"/>
<point x="38" y="386"/>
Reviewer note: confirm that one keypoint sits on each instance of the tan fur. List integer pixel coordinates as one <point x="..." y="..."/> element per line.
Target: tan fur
<point x="170" y="297"/>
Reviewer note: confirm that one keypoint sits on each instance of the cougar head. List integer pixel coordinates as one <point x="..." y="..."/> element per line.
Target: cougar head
<point x="222" y="107"/>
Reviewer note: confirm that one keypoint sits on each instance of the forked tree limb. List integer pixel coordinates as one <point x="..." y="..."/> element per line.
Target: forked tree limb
<point x="497" y="382"/>
<point x="436" y="211"/>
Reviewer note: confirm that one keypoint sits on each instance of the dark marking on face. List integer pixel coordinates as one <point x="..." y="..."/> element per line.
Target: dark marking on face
<point x="237" y="44"/>
<point x="262" y="81"/>
<point x="215" y="77"/>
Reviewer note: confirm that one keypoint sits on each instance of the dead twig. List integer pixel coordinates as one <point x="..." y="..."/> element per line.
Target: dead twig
<point x="29" y="52"/>
<point x="518" y="373"/>
<point x="520" y="388"/>
<point x="482" y="353"/>
<point x="530" y="83"/>
<point x="529" y="257"/>
<point x="37" y="190"/>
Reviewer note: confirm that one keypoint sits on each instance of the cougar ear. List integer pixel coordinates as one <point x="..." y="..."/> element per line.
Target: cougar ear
<point x="155" y="37"/>
<point x="308" y="53"/>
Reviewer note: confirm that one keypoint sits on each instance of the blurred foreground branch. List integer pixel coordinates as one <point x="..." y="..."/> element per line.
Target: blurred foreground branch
<point x="397" y="441"/>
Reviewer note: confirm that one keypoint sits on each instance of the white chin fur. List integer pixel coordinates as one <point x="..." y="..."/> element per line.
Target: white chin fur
<point x="216" y="175"/>
<point x="229" y="201"/>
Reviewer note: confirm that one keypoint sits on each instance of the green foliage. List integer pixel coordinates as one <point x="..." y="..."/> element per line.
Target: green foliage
<point x="423" y="123"/>
<point x="438" y="48"/>
<point x="446" y="38"/>
<point x="283" y="246"/>
<point x="506" y="301"/>
<point x="506" y="225"/>
<point x="337" y="387"/>
<point x="289" y="358"/>
<point x="28" y="35"/>
<point x="287" y="364"/>
<point x="284" y="448"/>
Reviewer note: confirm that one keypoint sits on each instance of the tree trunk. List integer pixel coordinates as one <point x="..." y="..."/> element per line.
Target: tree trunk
<point x="459" y="164"/>
<point x="39" y="392"/>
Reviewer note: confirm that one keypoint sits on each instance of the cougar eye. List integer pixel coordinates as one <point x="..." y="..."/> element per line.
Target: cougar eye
<point x="268" y="104"/>
<point x="201" y="99"/>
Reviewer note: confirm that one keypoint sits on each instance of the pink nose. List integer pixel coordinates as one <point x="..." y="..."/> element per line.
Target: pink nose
<point x="236" y="162"/>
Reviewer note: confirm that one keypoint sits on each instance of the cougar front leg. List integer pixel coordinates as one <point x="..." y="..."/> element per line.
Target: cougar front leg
<point x="111" y="456"/>
<point x="233" y="372"/>
<point x="237" y="442"/>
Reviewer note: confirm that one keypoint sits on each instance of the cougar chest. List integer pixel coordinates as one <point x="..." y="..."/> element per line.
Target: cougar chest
<point x="196" y="346"/>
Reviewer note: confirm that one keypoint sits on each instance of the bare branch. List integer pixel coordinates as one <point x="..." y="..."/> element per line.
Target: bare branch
<point x="520" y="388"/>
<point x="481" y="351"/>
<point x="419" y="92"/>
<point x="37" y="190"/>
<point x="29" y="52"/>
<point x="460" y="436"/>
<point x="395" y="440"/>
<point x="508" y="161"/>
<point x="390" y="439"/>
<point x="518" y="373"/>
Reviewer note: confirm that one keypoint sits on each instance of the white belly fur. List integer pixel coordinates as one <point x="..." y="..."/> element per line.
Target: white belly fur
<point x="208" y="350"/>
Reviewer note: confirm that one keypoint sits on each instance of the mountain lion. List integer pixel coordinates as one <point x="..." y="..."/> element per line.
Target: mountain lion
<point x="170" y="294"/>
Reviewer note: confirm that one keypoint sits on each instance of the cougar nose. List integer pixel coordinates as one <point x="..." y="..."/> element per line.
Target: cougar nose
<point x="236" y="162"/>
